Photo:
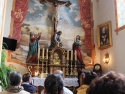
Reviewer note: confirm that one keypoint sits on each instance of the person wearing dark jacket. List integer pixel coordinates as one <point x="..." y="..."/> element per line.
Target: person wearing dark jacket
<point x="27" y="79"/>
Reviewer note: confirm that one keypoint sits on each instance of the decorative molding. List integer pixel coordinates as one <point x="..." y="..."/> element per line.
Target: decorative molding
<point x="119" y="29"/>
<point x="14" y="60"/>
<point x="18" y="15"/>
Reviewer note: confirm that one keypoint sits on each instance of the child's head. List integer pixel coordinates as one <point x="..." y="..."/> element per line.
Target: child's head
<point x="54" y="84"/>
<point x="89" y="76"/>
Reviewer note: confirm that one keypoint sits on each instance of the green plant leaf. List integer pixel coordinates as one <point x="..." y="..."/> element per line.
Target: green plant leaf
<point x="4" y="70"/>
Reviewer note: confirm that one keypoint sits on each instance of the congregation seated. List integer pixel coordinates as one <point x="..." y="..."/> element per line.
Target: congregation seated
<point x="110" y="83"/>
<point x="27" y="79"/>
<point x="66" y="90"/>
<point x="89" y="76"/>
<point x="15" y="80"/>
<point x="53" y="84"/>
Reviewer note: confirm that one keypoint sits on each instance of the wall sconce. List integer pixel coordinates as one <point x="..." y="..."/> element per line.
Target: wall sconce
<point x="106" y="59"/>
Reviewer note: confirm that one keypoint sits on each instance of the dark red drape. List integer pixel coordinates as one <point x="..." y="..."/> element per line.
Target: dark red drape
<point x="87" y="23"/>
<point x="18" y="15"/>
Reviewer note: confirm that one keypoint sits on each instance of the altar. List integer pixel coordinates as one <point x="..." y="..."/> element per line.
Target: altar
<point x="68" y="82"/>
<point x="57" y="58"/>
<point x="71" y="83"/>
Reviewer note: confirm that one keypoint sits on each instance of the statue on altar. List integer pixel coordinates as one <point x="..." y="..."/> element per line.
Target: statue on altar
<point x="56" y="59"/>
<point x="56" y="41"/>
<point x="33" y="47"/>
<point x="77" y="48"/>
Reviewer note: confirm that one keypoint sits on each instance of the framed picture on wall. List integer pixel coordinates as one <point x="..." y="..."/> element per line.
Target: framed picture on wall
<point x="104" y="33"/>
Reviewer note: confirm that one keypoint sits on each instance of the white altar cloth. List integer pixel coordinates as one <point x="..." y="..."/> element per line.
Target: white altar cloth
<point x="67" y="82"/>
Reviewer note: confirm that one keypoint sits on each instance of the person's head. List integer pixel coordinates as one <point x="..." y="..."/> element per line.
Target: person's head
<point x="82" y="68"/>
<point x="53" y="84"/>
<point x="31" y="34"/>
<point x="59" y="72"/>
<point x="110" y="83"/>
<point x="89" y="76"/>
<point x="59" y="32"/>
<point x="78" y="37"/>
<point x="103" y="30"/>
<point x="55" y="3"/>
<point x="27" y="77"/>
<point x="15" y="79"/>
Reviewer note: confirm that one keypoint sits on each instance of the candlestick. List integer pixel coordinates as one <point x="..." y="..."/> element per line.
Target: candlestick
<point x="42" y="67"/>
<point x="71" y="63"/>
<point x="46" y="68"/>
<point x="75" y="55"/>
<point x="38" y="53"/>
<point x="47" y="53"/>
<point x="67" y="65"/>
<point x="43" y="53"/>
<point x="71" y="73"/>
<point x="38" y="66"/>
<point x="68" y="55"/>
<point x="58" y="44"/>
<point x="67" y="70"/>
<point x="71" y="55"/>
<point x="38" y="60"/>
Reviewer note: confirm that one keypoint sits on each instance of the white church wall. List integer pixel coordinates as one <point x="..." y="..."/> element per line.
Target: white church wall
<point x="106" y="12"/>
<point x="8" y="18"/>
<point x="95" y="13"/>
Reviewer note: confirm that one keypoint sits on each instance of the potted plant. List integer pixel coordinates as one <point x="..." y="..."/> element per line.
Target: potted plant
<point x="4" y="70"/>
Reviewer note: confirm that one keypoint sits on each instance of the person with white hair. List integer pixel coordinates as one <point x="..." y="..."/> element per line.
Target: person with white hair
<point x="15" y="80"/>
<point x="66" y="90"/>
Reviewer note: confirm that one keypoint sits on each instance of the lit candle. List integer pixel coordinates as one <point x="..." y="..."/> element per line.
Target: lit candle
<point x="36" y="73"/>
<point x="38" y="53"/>
<point x="43" y="53"/>
<point x="71" y="54"/>
<point x="67" y="54"/>
<point x="75" y="55"/>
<point x="47" y="53"/>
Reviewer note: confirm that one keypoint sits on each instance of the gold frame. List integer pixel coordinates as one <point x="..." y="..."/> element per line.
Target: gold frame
<point x="108" y="42"/>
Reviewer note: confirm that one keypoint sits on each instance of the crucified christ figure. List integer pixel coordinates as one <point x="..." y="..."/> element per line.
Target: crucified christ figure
<point x="55" y="18"/>
<point x="55" y="4"/>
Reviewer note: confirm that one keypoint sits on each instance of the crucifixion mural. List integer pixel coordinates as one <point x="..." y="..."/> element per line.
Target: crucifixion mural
<point x="55" y="18"/>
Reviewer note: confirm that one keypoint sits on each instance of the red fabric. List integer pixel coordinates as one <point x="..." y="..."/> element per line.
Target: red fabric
<point x="79" y="53"/>
<point x="19" y="14"/>
<point x="32" y="59"/>
<point x="87" y="24"/>
<point x="35" y="38"/>
<point x="38" y="37"/>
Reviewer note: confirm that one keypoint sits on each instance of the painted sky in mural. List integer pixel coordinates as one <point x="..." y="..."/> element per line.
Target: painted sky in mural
<point x="38" y="20"/>
<point x="42" y="13"/>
